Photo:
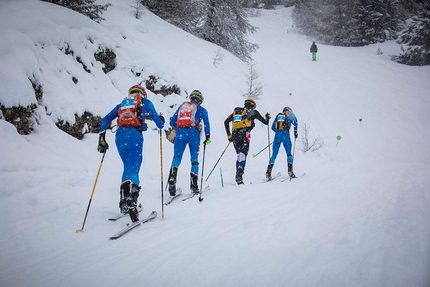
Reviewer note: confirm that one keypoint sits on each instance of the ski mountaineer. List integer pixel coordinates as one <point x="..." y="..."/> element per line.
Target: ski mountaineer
<point x="187" y="122"/>
<point x="314" y="50"/>
<point x="242" y="120"/>
<point x="131" y="114"/>
<point x="281" y="126"/>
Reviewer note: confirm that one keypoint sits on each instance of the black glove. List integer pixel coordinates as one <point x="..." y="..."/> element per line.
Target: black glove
<point x="229" y="138"/>
<point x="296" y="134"/>
<point x="268" y="116"/>
<point x="103" y="145"/>
<point x="162" y="118"/>
<point x="208" y="140"/>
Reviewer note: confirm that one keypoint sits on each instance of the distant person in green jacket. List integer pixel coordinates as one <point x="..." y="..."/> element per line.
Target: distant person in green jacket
<point x="314" y="50"/>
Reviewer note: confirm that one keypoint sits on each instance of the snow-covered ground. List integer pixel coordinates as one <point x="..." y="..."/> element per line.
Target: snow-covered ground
<point x="359" y="217"/>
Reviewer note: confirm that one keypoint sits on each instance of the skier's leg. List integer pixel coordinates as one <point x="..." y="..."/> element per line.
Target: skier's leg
<point x="194" y="146"/>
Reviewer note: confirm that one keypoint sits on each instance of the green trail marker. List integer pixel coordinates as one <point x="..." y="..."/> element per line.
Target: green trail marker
<point x="360" y="121"/>
<point x="338" y="139"/>
<point x="290" y="94"/>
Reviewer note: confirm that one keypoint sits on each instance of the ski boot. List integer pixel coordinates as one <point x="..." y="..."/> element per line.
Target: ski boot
<point x="290" y="171"/>
<point x="124" y="194"/>
<point x="193" y="183"/>
<point x="172" y="180"/>
<point x="269" y="171"/>
<point x="132" y="202"/>
<point x="239" y="176"/>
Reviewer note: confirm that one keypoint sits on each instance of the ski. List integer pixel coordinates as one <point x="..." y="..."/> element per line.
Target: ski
<point x="273" y="177"/>
<point x="290" y="178"/>
<point x="133" y="225"/>
<point x="118" y="216"/>
<point x="171" y="198"/>
<point x="194" y="194"/>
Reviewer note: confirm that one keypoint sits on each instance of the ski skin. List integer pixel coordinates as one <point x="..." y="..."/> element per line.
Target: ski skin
<point x="290" y="178"/>
<point x="171" y="198"/>
<point x="194" y="194"/>
<point x="116" y="217"/>
<point x="274" y="177"/>
<point x="133" y="225"/>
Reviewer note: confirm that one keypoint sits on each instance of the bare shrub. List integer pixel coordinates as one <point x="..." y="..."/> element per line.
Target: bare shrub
<point x="310" y="144"/>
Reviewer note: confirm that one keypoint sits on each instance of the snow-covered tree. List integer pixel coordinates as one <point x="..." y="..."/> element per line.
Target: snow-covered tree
<point x="85" y="7"/>
<point x="348" y="23"/>
<point x="222" y="22"/>
<point x="378" y="20"/>
<point x="225" y="23"/>
<point x="177" y="12"/>
<point x="416" y="38"/>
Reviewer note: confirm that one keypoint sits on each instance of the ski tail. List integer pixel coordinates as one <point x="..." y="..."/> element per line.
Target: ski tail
<point x="134" y="225"/>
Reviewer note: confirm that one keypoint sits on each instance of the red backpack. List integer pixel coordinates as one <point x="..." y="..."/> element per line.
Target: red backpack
<point x="187" y="115"/>
<point x="130" y="111"/>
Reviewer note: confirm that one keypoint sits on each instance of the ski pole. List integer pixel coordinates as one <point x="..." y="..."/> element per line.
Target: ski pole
<point x="268" y="138"/>
<point x="254" y="155"/>
<point x="294" y="149"/>
<point x="218" y="160"/>
<point x="92" y="193"/>
<point x="161" y="174"/>
<point x="203" y="168"/>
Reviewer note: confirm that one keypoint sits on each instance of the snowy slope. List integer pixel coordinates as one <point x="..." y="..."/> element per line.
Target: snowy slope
<point x="359" y="217"/>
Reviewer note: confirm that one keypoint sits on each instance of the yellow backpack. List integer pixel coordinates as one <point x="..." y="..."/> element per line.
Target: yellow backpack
<point x="240" y="120"/>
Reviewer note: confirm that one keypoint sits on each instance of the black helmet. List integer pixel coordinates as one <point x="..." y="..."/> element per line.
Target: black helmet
<point x="250" y="103"/>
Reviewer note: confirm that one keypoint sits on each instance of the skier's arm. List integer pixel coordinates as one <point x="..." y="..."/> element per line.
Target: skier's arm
<point x="113" y="114"/>
<point x="153" y="114"/>
<point x="261" y="119"/>
<point x="293" y="121"/>
<point x="174" y="118"/>
<point x="227" y="124"/>
<point x="206" y="122"/>
<point x="274" y="125"/>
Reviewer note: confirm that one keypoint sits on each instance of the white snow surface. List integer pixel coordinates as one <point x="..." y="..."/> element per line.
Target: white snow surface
<point x="359" y="217"/>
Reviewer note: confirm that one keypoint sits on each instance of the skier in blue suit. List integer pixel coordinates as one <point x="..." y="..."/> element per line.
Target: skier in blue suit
<point x="131" y="114"/>
<point x="187" y="122"/>
<point x="281" y="126"/>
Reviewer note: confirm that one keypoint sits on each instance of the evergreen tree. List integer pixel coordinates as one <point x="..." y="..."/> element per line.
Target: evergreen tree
<point x="222" y="22"/>
<point x="85" y="7"/>
<point x="416" y="38"/>
<point x="379" y="20"/>
<point x="178" y="13"/>
<point x="225" y="24"/>
<point x="348" y="23"/>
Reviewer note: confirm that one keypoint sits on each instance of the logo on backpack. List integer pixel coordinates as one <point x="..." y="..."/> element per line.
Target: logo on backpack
<point x="130" y="111"/>
<point x="187" y="115"/>
<point x="282" y="121"/>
